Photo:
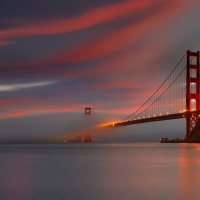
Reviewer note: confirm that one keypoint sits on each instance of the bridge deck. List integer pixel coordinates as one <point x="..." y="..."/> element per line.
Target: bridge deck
<point x="153" y="119"/>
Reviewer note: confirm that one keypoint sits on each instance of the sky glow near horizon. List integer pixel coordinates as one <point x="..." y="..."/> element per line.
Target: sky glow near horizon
<point x="56" y="59"/>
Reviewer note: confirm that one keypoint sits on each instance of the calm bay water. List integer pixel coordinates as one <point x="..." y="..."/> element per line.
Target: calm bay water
<point x="126" y="171"/>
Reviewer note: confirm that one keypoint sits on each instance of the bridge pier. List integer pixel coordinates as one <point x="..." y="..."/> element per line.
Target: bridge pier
<point x="87" y="138"/>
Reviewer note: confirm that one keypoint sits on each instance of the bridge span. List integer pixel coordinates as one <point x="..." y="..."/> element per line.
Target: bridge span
<point x="177" y="97"/>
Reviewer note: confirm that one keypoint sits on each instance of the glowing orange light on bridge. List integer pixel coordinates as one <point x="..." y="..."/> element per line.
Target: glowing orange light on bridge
<point x="107" y="124"/>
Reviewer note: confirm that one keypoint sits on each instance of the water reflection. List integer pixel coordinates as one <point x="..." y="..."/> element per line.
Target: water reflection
<point x="100" y="171"/>
<point x="189" y="171"/>
<point x="16" y="178"/>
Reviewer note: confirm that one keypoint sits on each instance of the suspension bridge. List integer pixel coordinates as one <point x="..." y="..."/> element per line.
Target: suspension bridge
<point x="177" y="97"/>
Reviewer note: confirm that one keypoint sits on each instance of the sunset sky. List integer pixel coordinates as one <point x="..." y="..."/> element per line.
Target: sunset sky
<point x="57" y="57"/>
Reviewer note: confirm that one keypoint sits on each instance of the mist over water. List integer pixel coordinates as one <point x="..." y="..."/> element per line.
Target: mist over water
<point x="100" y="171"/>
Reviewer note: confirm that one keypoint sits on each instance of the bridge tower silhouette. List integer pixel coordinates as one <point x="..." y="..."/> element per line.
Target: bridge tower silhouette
<point x="177" y="97"/>
<point x="193" y="91"/>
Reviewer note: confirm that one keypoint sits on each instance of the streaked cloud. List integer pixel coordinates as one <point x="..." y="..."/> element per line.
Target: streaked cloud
<point x="86" y="20"/>
<point x="122" y="38"/>
<point x="108" y="45"/>
<point x="36" y="110"/>
<point x="14" y="87"/>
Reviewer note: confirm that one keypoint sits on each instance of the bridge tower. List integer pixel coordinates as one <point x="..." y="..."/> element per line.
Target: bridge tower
<point x="87" y="137"/>
<point x="192" y="91"/>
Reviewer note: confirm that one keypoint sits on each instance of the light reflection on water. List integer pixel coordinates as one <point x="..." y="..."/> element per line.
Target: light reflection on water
<point x="100" y="171"/>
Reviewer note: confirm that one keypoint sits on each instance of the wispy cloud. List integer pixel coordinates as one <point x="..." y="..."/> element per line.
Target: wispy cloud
<point x="86" y="20"/>
<point x="107" y="45"/>
<point x="48" y="108"/>
<point x="120" y="39"/>
<point x="14" y="87"/>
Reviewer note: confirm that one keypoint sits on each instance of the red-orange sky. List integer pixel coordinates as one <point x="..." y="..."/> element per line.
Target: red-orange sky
<point x="58" y="57"/>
